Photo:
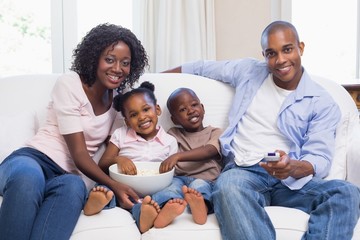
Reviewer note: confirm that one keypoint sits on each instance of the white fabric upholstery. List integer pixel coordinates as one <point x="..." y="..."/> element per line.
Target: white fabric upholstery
<point x="32" y="92"/>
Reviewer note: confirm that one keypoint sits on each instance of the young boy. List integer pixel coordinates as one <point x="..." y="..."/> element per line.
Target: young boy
<point x="197" y="163"/>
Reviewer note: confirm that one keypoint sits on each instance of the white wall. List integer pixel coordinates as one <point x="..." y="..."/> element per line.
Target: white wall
<point x="239" y="24"/>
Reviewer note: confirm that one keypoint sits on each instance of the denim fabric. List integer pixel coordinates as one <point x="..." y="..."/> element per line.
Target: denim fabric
<point x="40" y="200"/>
<point x="243" y="192"/>
<point x="174" y="191"/>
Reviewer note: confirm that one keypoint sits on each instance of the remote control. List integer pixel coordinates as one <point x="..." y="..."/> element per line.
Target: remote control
<point x="272" y="157"/>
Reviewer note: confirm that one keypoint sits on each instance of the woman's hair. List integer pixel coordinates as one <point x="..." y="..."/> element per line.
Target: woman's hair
<point x="87" y="53"/>
<point x="145" y="88"/>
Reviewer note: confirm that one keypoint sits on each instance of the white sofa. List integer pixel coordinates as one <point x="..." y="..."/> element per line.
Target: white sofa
<point x="23" y="101"/>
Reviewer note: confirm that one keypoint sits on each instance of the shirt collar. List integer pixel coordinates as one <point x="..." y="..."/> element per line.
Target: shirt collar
<point x="132" y="136"/>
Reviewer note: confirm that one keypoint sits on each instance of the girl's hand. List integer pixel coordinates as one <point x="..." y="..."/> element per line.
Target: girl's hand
<point x="126" y="166"/>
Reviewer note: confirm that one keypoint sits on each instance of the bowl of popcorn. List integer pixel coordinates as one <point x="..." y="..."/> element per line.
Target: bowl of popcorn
<point x="148" y="179"/>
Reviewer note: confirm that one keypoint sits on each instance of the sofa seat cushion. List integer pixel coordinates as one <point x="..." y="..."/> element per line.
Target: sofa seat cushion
<point x="115" y="223"/>
<point x="288" y="223"/>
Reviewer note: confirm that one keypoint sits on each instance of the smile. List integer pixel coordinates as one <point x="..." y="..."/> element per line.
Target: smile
<point x="114" y="79"/>
<point x="194" y="119"/>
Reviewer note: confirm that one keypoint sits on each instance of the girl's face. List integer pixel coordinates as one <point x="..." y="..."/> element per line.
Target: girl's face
<point x="142" y="115"/>
<point x="114" y="65"/>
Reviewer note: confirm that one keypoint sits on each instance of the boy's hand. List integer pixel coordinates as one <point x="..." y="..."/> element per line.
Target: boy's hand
<point x="168" y="163"/>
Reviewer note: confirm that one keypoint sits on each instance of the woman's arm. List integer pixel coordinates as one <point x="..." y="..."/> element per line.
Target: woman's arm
<point x="83" y="161"/>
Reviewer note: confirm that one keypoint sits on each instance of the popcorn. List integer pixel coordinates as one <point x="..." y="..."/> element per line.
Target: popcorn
<point x="147" y="172"/>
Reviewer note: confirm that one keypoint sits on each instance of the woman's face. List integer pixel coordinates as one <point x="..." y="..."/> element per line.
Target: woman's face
<point x="142" y="115"/>
<point x="114" y="65"/>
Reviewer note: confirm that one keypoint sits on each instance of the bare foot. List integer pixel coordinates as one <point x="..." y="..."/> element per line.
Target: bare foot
<point x="98" y="198"/>
<point x="197" y="204"/>
<point x="149" y="211"/>
<point x="169" y="212"/>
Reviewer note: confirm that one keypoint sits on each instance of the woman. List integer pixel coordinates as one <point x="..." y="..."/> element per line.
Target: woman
<point x="41" y="182"/>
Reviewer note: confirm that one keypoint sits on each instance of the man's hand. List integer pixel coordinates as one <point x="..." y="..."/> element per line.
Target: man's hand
<point x="287" y="167"/>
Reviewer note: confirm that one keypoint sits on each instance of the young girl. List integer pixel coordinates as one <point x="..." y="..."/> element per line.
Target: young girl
<point x="140" y="111"/>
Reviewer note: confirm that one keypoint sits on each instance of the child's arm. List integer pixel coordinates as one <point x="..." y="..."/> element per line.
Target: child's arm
<point x="111" y="156"/>
<point x="197" y="154"/>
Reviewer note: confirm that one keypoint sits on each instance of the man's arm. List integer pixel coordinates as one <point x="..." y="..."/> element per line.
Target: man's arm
<point x="173" y="70"/>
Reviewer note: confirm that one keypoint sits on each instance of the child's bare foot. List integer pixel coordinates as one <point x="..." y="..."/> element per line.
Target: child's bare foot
<point x="196" y="203"/>
<point x="98" y="198"/>
<point x="169" y="212"/>
<point x="149" y="211"/>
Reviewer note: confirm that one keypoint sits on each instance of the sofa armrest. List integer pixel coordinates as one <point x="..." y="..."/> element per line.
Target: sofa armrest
<point x="353" y="158"/>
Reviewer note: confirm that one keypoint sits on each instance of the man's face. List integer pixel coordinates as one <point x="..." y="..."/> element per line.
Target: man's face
<point x="283" y="53"/>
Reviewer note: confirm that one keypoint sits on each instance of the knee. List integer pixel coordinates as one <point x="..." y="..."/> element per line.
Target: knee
<point x="198" y="183"/>
<point x="27" y="178"/>
<point x="222" y="188"/>
<point x="72" y="186"/>
<point x="346" y="191"/>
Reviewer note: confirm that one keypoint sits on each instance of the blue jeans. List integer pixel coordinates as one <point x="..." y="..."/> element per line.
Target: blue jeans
<point x="40" y="200"/>
<point x="241" y="193"/>
<point x="174" y="191"/>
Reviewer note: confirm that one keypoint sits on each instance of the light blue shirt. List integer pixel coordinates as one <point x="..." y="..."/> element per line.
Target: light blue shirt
<point x="308" y="117"/>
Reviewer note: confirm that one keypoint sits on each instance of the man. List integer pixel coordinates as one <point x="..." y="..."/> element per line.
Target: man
<point x="278" y="107"/>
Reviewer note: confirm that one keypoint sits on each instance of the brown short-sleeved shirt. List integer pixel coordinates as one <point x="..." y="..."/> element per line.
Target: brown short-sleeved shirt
<point x="207" y="169"/>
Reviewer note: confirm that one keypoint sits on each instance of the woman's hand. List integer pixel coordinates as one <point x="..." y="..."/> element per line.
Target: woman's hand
<point x="125" y="195"/>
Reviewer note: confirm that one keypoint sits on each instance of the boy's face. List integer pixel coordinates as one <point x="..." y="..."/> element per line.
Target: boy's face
<point x="283" y="53"/>
<point x="142" y="115"/>
<point x="187" y="111"/>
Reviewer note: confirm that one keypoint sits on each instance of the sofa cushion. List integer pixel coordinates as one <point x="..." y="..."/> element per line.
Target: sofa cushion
<point x="216" y="105"/>
<point x="349" y="121"/>
<point x="289" y="224"/>
<point x="116" y="223"/>
<point x="15" y="129"/>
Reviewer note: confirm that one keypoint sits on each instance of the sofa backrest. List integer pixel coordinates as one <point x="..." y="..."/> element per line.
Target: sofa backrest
<point x="215" y="96"/>
<point x="348" y="124"/>
<point x="23" y="102"/>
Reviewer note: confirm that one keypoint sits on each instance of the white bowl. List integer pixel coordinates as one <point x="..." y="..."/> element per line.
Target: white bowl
<point x="143" y="185"/>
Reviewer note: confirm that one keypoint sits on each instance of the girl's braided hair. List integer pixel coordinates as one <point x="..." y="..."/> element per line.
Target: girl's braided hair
<point x="145" y="88"/>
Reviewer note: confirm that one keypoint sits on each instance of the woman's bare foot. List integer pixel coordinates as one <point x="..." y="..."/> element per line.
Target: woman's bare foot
<point x="149" y="211"/>
<point x="197" y="204"/>
<point x="169" y="212"/>
<point x="98" y="198"/>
